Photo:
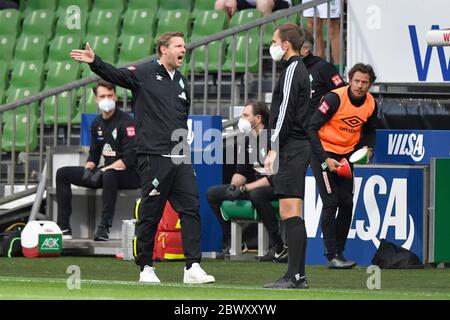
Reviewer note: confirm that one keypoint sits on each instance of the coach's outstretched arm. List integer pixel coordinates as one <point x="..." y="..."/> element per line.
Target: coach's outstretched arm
<point x="124" y="77"/>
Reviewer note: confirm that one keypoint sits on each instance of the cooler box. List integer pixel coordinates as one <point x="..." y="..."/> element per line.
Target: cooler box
<point x="41" y="239"/>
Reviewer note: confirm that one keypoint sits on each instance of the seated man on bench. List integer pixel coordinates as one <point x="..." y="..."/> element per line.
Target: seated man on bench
<point x="113" y="136"/>
<point x="251" y="155"/>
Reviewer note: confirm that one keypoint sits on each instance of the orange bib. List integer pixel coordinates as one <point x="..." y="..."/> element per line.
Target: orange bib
<point x="342" y="132"/>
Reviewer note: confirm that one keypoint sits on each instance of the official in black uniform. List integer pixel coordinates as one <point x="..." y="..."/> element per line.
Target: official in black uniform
<point x="253" y="123"/>
<point x="323" y="75"/>
<point x="113" y="137"/>
<point x="161" y="105"/>
<point x="345" y="121"/>
<point x="290" y="143"/>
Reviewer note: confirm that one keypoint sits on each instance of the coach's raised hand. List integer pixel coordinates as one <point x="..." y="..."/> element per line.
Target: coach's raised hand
<point x="86" y="55"/>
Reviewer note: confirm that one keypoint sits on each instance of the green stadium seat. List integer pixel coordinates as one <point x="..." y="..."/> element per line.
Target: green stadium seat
<point x="15" y="94"/>
<point x="9" y="22"/>
<point x="7" y="45"/>
<point x="174" y="20"/>
<point x="170" y="5"/>
<point x="34" y="5"/>
<point x="202" y="5"/>
<point x="243" y="17"/>
<point x="104" y="22"/>
<point x="40" y="22"/>
<point x="213" y="57"/>
<point x="91" y="106"/>
<point x="62" y="108"/>
<point x="27" y="75"/>
<point x="208" y="23"/>
<point x="139" y="22"/>
<point x="20" y="141"/>
<point x="270" y="27"/>
<point x="31" y="48"/>
<point x="118" y="5"/>
<point x="105" y="47"/>
<point x="143" y="4"/>
<point x="243" y="210"/>
<point x="253" y="55"/>
<point x="134" y="48"/>
<point x="60" y="73"/>
<point x="72" y="26"/>
<point x="60" y="47"/>
<point x="83" y="5"/>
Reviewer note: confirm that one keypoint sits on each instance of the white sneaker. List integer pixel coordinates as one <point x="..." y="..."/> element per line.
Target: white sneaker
<point x="196" y="275"/>
<point x="148" y="275"/>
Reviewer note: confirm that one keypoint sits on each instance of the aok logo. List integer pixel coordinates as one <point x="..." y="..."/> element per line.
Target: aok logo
<point x="406" y="145"/>
<point x="373" y="224"/>
<point x="48" y="243"/>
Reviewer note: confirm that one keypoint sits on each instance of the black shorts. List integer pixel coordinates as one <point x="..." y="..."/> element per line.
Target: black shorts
<point x="289" y="182"/>
<point x="279" y="4"/>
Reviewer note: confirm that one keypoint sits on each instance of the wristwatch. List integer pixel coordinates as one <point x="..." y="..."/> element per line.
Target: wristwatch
<point x="243" y="189"/>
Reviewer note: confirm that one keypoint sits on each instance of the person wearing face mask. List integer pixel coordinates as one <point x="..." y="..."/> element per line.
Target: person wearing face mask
<point x="345" y="120"/>
<point x="254" y="125"/>
<point x="113" y="137"/>
<point x="290" y="148"/>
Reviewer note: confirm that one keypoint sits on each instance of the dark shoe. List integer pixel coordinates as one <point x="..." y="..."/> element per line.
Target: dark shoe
<point x="269" y="256"/>
<point x="102" y="233"/>
<point x="288" y="283"/>
<point x="225" y="252"/>
<point x="341" y="256"/>
<point x="339" y="262"/>
<point x="282" y="255"/>
<point x="274" y="254"/>
<point x="66" y="233"/>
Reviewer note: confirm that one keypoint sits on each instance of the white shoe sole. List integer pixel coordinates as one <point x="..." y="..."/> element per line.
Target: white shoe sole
<point x="210" y="279"/>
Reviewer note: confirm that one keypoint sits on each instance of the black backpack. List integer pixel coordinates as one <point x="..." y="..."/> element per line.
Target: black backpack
<point x="10" y="241"/>
<point x="392" y="256"/>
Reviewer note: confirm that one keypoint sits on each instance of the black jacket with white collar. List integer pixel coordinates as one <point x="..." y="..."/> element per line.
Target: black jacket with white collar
<point x="160" y="104"/>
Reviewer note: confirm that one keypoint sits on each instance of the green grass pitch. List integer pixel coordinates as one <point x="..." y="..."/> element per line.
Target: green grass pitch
<point x="109" y="278"/>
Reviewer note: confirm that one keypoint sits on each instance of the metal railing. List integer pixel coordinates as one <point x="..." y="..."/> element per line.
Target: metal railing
<point x="233" y="80"/>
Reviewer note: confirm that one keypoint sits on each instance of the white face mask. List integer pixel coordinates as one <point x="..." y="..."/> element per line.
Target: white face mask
<point x="276" y="52"/>
<point x="244" y="125"/>
<point x="106" y="105"/>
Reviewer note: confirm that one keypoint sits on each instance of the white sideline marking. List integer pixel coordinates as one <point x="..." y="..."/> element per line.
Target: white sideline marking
<point x="215" y="286"/>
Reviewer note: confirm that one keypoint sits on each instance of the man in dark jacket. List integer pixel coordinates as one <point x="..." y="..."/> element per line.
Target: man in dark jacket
<point x="290" y="144"/>
<point x="161" y="105"/>
<point x="323" y="75"/>
<point x="113" y="137"/>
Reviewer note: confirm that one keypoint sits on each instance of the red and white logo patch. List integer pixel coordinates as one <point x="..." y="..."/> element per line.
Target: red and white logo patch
<point x="337" y="80"/>
<point x="132" y="68"/>
<point x="324" y="107"/>
<point x="131" y="132"/>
